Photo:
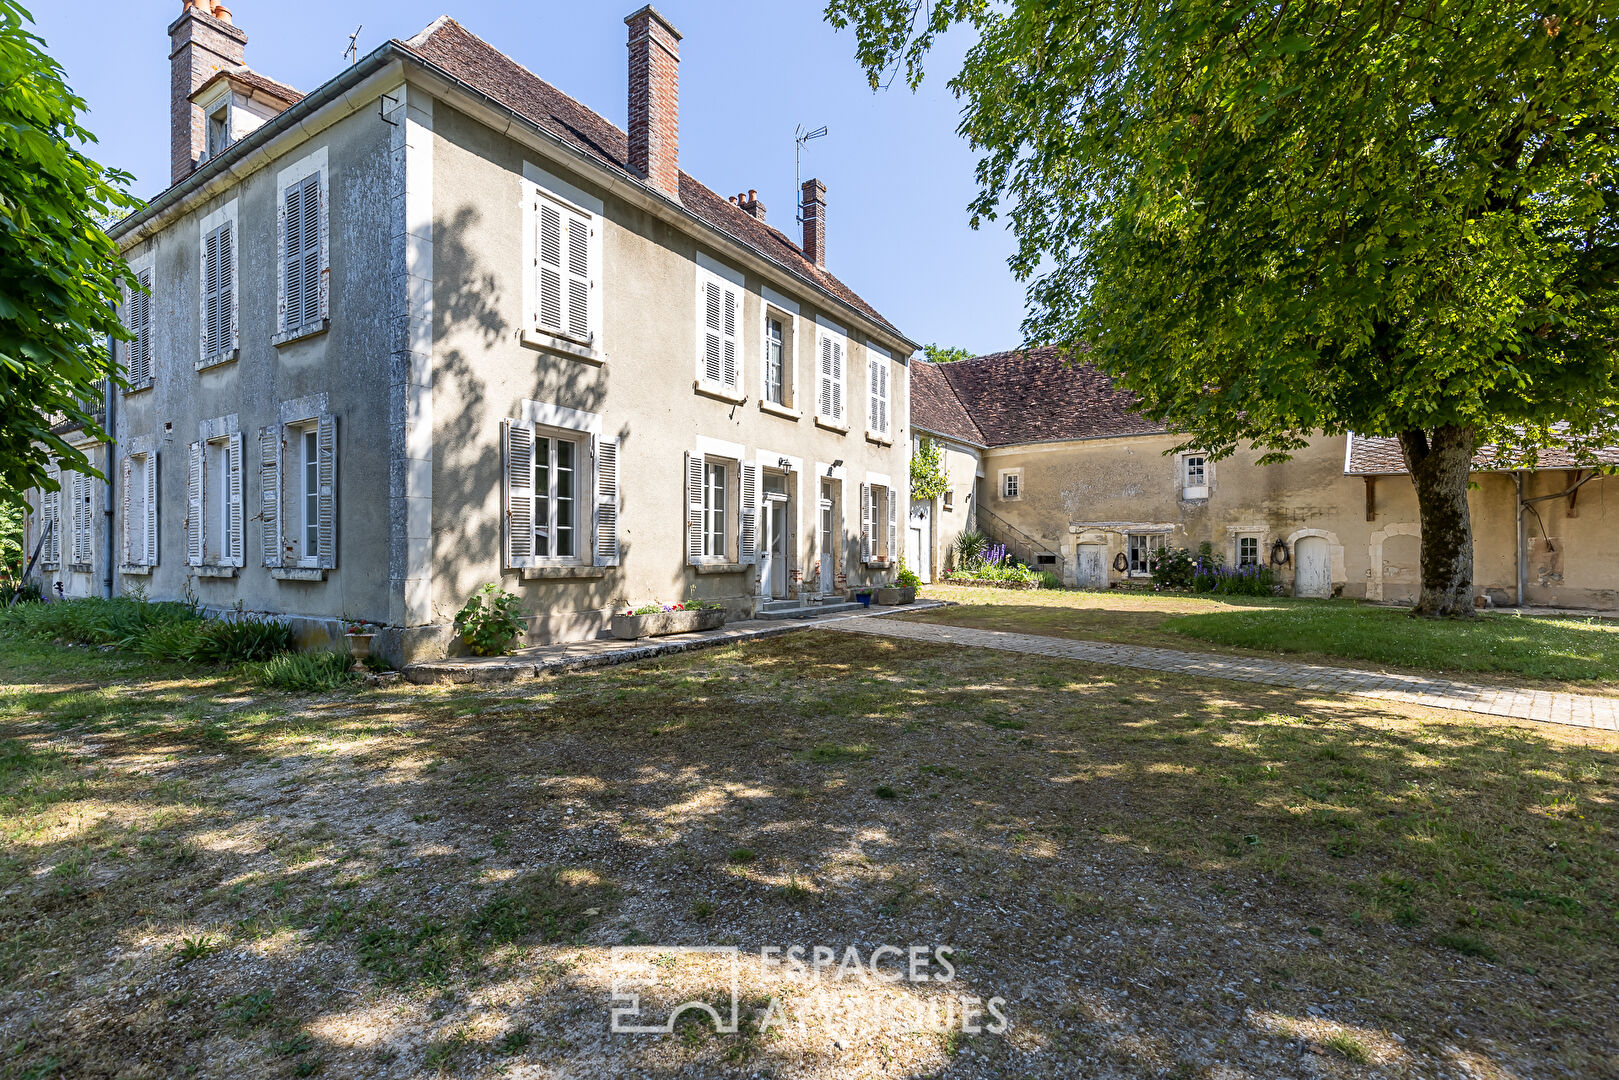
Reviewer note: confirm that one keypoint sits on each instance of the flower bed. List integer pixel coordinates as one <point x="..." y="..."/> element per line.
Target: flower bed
<point x="628" y="626"/>
<point x="990" y="583"/>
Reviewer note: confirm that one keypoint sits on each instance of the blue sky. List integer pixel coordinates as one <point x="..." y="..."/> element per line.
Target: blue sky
<point x="898" y="176"/>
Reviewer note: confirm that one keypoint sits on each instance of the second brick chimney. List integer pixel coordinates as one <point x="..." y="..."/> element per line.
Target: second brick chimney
<point x="812" y="208"/>
<point x="204" y="44"/>
<point x="655" y="100"/>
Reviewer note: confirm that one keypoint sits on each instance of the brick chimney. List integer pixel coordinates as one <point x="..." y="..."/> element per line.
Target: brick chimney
<point x="813" y="210"/>
<point x="751" y="205"/>
<point x="655" y="100"/>
<point x="205" y="43"/>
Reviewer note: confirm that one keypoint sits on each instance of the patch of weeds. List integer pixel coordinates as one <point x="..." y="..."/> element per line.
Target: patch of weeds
<point x="954" y="1042"/>
<point x="832" y="753"/>
<point x="195" y="948"/>
<point x="742" y="855"/>
<point x="1407" y="914"/>
<point x="250" y="1008"/>
<point x="1349" y="1047"/>
<point x="795" y="891"/>
<point x="308" y="1066"/>
<point x="553" y="906"/>
<point x="702" y="909"/>
<point x="423" y="955"/>
<point x="515" y="1042"/>
<point x="440" y="1052"/>
<point x="300" y="1043"/>
<point x="883" y="791"/>
<point x="1466" y="944"/>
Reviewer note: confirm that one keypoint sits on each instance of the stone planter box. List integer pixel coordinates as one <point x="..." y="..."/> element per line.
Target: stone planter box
<point x="981" y="583"/>
<point x="894" y="594"/>
<point x="659" y="623"/>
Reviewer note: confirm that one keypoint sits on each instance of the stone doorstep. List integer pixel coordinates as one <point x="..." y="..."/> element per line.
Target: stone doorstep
<point x="604" y="652"/>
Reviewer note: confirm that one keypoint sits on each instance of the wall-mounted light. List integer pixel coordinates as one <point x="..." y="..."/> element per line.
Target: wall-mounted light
<point x="784" y="463"/>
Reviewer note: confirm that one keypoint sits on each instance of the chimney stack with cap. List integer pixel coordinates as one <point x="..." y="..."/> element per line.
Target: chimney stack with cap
<point x="205" y="42"/>
<point x="750" y="204"/>
<point x="655" y="100"/>
<point x="813" y="210"/>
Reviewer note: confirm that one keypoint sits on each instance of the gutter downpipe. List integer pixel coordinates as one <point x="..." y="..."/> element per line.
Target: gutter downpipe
<point x="107" y="491"/>
<point x="1522" y="540"/>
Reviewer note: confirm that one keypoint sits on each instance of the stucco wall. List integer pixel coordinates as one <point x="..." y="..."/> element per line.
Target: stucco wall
<point x="961" y="465"/>
<point x="643" y="393"/>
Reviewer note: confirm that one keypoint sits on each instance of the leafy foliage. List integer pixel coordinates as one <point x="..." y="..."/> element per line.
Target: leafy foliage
<point x="490" y="621"/>
<point x="158" y="631"/>
<point x="59" y="273"/>
<point x="928" y="479"/>
<point x="304" y="673"/>
<point x="969" y="547"/>
<point x="942" y="354"/>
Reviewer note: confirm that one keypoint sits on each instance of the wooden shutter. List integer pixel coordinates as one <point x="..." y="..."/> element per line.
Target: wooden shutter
<point x="695" y="468"/>
<point x="713" y="331"/>
<point x="219" y="315"/>
<point x="729" y="371"/>
<point x="578" y="276"/>
<point x="194" y="506"/>
<point x="891" y="497"/>
<point x="871" y="394"/>
<point x="311" y="250"/>
<point x="748" y="514"/>
<point x="234" y="546"/>
<point x="270" y="495"/>
<point x="151" y="508"/>
<point x="227" y="270"/>
<point x="518" y="439"/>
<point x="210" y="294"/>
<point x="826" y="377"/>
<point x="548" y="269"/>
<point x="879" y="395"/>
<point x="127" y="556"/>
<point x="326" y="491"/>
<point x="293" y="251"/>
<point x="837" y="380"/>
<point x="75" y="492"/>
<point x="86" y="530"/>
<point x="865" y="524"/>
<point x="606" y="501"/>
<point x="50" y="511"/>
<point x="140" y="324"/>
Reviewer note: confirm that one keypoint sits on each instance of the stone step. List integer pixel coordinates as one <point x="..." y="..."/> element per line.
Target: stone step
<point x="807" y="611"/>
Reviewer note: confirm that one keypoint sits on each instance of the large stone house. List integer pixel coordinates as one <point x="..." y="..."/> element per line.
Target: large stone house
<point x="436" y="324"/>
<point x="1056" y="464"/>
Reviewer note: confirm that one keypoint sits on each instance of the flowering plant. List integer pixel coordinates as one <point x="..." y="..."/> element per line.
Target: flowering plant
<point x="360" y="628"/>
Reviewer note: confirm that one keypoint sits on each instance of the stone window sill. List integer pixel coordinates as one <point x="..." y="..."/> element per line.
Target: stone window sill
<point x="783" y="411"/>
<point x="81" y="568"/>
<point x="563" y="573"/>
<point x="299" y="333"/>
<point x="722" y="393"/>
<point x="226" y="357"/>
<point x="133" y="570"/>
<point x="831" y="425"/>
<point x="298" y="573"/>
<point x="561" y="346"/>
<point x="135" y="388"/>
<point x="879" y="438"/>
<point x="215" y="571"/>
<point x="720" y="567"/>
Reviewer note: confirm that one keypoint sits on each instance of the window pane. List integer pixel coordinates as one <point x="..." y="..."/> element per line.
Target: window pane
<point x="773" y="343"/>
<point x="311" y="495"/>
<point x="542" y="496"/>
<point x="714" y="512"/>
<point x="565" y="497"/>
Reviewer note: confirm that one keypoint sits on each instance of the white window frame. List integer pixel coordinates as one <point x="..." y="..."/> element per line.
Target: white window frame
<point x="1009" y="485"/>
<point x="948" y="503"/>
<point x="577" y="209"/>
<point x="781" y="309"/>
<point x="139" y="476"/>
<point x="279" y="457"/>
<point x="81" y="527"/>
<point x="595" y="488"/>
<point x="1258" y="550"/>
<point x="224" y="216"/>
<point x="219" y="440"/>
<point x="1149" y="542"/>
<point x="288" y="179"/>
<point x="1205" y="470"/>
<point x="879" y="521"/>
<point x="879" y="393"/>
<point x="831" y="390"/>
<point x="50" y="516"/>
<point x="306" y="437"/>
<point x="716" y="535"/>
<point x="724" y="285"/>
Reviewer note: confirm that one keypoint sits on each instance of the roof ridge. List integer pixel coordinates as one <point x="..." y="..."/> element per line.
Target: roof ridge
<point x="431" y="29"/>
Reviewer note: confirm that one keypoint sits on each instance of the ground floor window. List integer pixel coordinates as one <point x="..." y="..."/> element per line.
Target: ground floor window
<point x="214" y="502"/>
<point x="1144" y="548"/>
<point x="298" y="481"/>
<point x="879" y="524"/>
<point x="140" y="509"/>
<point x="714" y="481"/>
<point x="1247" y="551"/>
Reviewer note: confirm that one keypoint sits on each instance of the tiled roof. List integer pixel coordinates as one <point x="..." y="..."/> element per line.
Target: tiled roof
<point x="243" y="74"/>
<point x="1380" y="456"/>
<point x="448" y="45"/>
<point x="936" y="409"/>
<point x="1033" y="395"/>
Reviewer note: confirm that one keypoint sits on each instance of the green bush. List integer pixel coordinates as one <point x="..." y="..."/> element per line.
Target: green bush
<point x="158" y="631"/>
<point x="907" y="579"/>
<point x="1048" y="580"/>
<point x="229" y="641"/>
<point x="490" y="621"/>
<point x="970" y="547"/>
<point x="303" y="673"/>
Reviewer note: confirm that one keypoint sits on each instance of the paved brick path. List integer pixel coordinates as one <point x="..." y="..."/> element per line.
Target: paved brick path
<point x="1580" y="710"/>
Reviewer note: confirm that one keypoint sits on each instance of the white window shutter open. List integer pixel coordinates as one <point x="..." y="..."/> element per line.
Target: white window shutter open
<point x="713" y="335"/>
<point x="695" y="468"/>
<point x="837" y="381"/>
<point x="140" y="320"/>
<point x="748" y="516"/>
<point x="548" y="268"/>
<point x="311" y="250"/>
<point x="80" y="519"/>
<point x="123" y="510"/>
<point x="151" y="508"/>
<point x="729" y="368"/>
<point x="326" y="491"/>
<point x="518" y="439"/>
<point x="50" y="512"/>
<point x="578" y="277"/>
<point x="234" y="545"/>
<point x="871" y="395"/>
<point x="891" y="497"/>
<point x="865" y="523"/>
<point x="883" y="370"/>
<point x="194" y="505"/>
<point x="270" y="495"/>
<point x="826" y="377"/>
<point x="606" y="501"/>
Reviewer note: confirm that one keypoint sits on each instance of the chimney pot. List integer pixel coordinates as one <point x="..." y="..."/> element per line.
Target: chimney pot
<point x="812" y="207"/>
<point x="654" y="100"/>
<point x="751" y="205"/>
<point x="753" y="195"/>
<point x="222" y="13"/>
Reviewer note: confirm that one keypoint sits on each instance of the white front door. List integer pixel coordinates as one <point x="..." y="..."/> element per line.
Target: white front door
<point x="918" y="550"/>
<point x="829" y="536"/>
<point x="1090" y="566"/>
<point x="773" y="572"/>
<point x="1312" y="570"/>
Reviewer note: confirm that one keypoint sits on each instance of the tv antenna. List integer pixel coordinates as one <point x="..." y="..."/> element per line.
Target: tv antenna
<point x="352" y="53"/>
<point x="800" y="136"/>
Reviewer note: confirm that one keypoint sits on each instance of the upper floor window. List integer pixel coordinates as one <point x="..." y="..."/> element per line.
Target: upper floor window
<point x="1194" y="476"/>
<point x="1011" y="484"/>
<point x="138" y="308"/>
<point x="775" y="382"/>
<point x="719" y="308"/>
<point x="218" y="292"/>
<point x="565" y="269"/>
<point x="305" y="258"/>
<point x="219" y="129"/>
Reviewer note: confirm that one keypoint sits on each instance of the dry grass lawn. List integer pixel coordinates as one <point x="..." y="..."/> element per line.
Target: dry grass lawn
<point x="1160" y="877"/>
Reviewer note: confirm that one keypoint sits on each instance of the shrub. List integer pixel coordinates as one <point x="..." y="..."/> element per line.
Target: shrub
<point x="1048" y="580"/>
<point x="970" y="547"/>
<point x="121" y="621"/>
<point x="907" y="579"/>
<point x="226" y="641"/>
<point x="1175" y="568"/>
<point x="490" y="621"/>
<point x="1250" y="580"/>
<point x="303" y="673"/>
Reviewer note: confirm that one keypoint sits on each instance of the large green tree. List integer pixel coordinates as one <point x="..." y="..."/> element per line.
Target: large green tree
<point x="60" y="274"/>
<point x="1279" y="218"/>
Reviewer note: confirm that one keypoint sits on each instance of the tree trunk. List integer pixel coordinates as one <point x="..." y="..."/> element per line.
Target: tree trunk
<point x="1440" y="463"/>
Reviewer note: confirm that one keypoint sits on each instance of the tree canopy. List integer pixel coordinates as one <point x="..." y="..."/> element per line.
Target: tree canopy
<point x="1274" y="219"/>
<point x="60" y="273"/>
<point x="944" y="354"/>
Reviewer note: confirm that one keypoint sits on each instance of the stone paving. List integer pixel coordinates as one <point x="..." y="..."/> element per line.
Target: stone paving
<point x="1523" y="703"/>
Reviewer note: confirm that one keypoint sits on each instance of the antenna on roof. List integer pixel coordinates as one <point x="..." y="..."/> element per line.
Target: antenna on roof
<point x="800" y="136"/>
<point x="352" y="53"/>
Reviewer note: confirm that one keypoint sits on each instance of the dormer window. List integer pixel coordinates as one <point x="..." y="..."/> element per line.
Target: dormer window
<point x="219" y="129"/>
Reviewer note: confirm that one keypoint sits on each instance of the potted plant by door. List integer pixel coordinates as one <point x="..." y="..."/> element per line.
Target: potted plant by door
<point x="863" y="596"/>
<point x="358" y="635"/>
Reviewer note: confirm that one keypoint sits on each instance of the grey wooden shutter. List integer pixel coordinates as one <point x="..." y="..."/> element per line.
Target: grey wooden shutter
<point x="695" y="468"/>
<point x="210" y="294"/>
<point x="82" y="519"/>
<point x="865" y="523"/>
<point x="293" y="252"/>
<point x="837" y="381"/>
<point x="234" y="547"/>
<point x="311" y="251"/>
<point x="884" y="369"/>
<point x="578" y="277"/>
<point x="713" y="331"/>
<point x="606" y="501"/>
<point x="194" y="505"/>
<point x="548" y="270"/>
<point x="518" y="440"/>
<point x="140" y="323"/>
<point x="227" y="272"/>
<point x="123" y="511"/>
<point x="748" y="515"/>
<point x="50" y="512"/>
<point x="270" y="495"/>
<point x="728" y="372"/>
<point x="326" y="491"/>
<point x="891" y="497"/>
<point x="151" y="508"/>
